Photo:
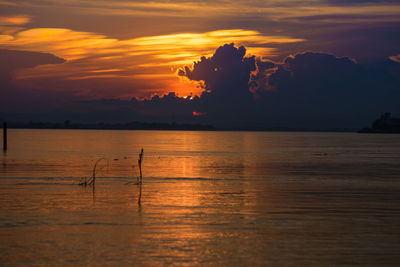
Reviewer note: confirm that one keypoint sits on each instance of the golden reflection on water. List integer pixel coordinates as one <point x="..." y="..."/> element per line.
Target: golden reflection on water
<point x="66" y="153"/>
<point x="207" y="199"/>
<point x="200" y="222"/>
<point x="183" y="154"/>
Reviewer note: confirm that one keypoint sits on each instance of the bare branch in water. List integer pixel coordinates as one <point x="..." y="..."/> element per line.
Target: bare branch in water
<point x="139" y="182"/>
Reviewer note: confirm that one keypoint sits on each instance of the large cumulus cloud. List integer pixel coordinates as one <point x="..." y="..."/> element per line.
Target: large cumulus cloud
<point x="315" y="89"/>
<point x="305" y="90"/>
<point x="310" y="90"/>
<point x="226" y="76"/>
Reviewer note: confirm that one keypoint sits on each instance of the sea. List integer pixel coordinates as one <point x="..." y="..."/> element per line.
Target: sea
<point x="207" y="198"/>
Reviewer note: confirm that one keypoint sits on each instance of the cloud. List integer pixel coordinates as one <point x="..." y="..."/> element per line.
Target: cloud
<point x="14" y="20"/>
<point x="143" y="18"/>
<point x="225" y="74"/>
<point x="74" y="45"/>
<point x="275" y="9"/>
<point x="259" y="80"/>
<point x="305" y="90"/>
<point x="327" y="26"/>
<point x="322" y="89"/>
<point x="22" y="99"/>
<point x="141" y="66"/>
<point x="311" y="69"/>
<point x="12" y="60"/>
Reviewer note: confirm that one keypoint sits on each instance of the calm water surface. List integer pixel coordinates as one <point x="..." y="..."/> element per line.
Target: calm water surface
<point x="208" y="198"/>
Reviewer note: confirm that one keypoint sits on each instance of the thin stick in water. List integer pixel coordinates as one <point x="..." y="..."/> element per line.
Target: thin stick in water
<point x="140" y="165"/>
<point x="140" y="194"/>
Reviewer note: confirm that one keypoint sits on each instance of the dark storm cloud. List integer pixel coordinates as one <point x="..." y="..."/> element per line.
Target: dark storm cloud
<point x="321" y="89"/>
<point x="23" y="98"/>
<point x="11" y="60"/>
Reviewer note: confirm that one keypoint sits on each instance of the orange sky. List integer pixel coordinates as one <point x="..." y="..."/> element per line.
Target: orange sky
<point x="148" y="63"/>
<point x="127" y="48"/>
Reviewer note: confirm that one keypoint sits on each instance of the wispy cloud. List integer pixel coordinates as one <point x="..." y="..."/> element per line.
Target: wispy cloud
<point x="14" y="20"/>
<point x="74" y="45"/>
<point x="273" y="9"/>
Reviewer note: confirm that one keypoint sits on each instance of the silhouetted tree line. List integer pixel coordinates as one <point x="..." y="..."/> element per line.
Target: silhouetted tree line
<point x="385" y="124"/>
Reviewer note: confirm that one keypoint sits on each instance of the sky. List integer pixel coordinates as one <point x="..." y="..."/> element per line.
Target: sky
<point x="136" y="60"/>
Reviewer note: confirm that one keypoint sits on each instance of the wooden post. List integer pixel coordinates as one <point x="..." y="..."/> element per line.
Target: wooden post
<point x="5" y="136"/>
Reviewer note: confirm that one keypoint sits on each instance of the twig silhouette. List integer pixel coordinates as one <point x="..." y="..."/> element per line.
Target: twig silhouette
<point x="92" y="180"/>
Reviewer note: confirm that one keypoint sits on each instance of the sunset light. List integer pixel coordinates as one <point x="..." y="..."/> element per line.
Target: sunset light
<point x="199" y="133"/>
<point x="89" y="54"/>
<point x="198" y="113"/>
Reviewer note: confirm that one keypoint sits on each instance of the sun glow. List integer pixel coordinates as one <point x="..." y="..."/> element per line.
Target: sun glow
<point x="198" y="113"/>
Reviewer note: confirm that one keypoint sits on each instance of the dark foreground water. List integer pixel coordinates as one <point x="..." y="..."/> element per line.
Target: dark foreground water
<point x="208" y="198"/>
